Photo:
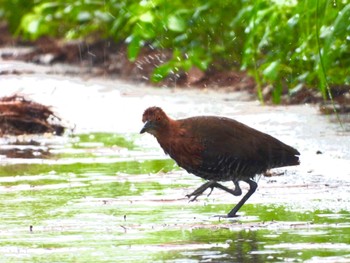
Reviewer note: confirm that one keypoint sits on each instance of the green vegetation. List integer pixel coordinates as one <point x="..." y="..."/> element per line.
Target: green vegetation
<point x="106" y="139"/>
<point x="286" y="44"/>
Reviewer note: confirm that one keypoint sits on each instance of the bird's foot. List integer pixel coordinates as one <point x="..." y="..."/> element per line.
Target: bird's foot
<point x="226" y="216"/>
<point x="199" y="191"/>
<point x="193" y="196"/>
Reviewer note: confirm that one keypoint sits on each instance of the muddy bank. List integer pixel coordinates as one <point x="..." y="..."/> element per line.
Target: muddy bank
<point x="105" y="58"/>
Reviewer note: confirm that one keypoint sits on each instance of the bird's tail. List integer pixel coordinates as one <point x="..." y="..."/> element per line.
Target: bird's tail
<point x="283" y="155"/>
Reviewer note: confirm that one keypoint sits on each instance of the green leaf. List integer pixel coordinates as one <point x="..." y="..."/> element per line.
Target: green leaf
<point x="134" y="48"/>
<point x="161" y="72"/>
<point x="176" y="23"/>
<point x="272" y="70"/>
<point x="277" y="92"/>
<point x="33" y="25"/>
<point x="84" y="16"/>
<point x="147" y="17"/>
<point x="342" y="22"/>
<point x="45" y="8"/>
<point x="337" y="30"/>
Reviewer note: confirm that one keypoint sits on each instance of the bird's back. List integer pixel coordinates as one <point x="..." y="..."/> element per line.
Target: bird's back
<point x="231" y="150"/>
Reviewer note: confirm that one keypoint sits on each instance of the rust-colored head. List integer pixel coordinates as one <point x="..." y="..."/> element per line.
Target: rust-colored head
<point x="155" y="121"/>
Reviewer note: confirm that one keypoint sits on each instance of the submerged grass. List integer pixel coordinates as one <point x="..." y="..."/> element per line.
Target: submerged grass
<point x="130" y="211"/>
<point x="105" y="139"/>
<point x="106" y="168"/>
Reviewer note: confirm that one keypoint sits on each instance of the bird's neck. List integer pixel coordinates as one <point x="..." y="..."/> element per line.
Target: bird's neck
<point x="167" y="136"/>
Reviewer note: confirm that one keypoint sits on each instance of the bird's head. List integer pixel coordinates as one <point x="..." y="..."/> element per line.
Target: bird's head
<point x="155" y="120"/>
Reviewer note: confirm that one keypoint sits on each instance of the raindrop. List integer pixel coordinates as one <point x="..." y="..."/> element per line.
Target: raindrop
<point x="91" y="54"/>
<point x="158" y="75"/>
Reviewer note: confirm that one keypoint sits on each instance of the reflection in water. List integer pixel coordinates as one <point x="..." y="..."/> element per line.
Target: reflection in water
<point x="223" y="245"/>
<point x="240" y="246"/>
<point x="244" y="243"/>
<point x="213" y="244"/>
<point x="26" y="153"/>
<point x="24" y="150"/>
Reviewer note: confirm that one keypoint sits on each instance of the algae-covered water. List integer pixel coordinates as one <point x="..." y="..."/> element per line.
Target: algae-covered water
<point x="97" y="198"/>
<point x="104" y="193"/>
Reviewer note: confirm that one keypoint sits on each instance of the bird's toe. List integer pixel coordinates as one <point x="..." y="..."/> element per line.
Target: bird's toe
<point x="226" y="216"/>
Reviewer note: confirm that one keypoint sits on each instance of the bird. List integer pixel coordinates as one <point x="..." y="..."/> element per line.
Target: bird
<point x="218" y="149"/>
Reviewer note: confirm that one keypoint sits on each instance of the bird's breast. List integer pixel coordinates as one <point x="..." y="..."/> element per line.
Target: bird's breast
<point x="185" y="151"/>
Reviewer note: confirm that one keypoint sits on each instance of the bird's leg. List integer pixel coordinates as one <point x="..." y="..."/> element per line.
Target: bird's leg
<point x="211" y="184"/>
<point x="200" y="190"/>
<point x="253" y="185"/>
<point x="237" y="191"/>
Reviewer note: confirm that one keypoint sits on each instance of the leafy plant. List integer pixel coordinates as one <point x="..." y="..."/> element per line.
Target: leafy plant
<point x="283" y="44"/>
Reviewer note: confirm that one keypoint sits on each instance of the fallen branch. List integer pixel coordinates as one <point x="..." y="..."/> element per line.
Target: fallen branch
<point x="21" y="116"/>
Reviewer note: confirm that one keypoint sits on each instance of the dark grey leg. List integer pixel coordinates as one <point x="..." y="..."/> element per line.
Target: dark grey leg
<point x="237" y="191"/>
<point x="253" y="185"/>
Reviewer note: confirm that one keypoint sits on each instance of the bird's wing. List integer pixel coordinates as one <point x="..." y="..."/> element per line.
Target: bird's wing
<point x="231" y="141"/>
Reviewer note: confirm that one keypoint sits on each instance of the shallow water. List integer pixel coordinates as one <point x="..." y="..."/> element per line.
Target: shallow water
<point x="107" y="194"/>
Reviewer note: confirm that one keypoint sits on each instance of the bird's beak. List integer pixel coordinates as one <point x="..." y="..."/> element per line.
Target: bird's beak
<point x="148" y="125"/>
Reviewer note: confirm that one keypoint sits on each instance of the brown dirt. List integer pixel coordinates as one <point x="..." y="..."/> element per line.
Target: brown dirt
<point x="109" y="59"/>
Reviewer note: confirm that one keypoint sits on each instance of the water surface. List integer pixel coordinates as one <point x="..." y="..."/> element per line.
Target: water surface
<point x="104" y="193"/>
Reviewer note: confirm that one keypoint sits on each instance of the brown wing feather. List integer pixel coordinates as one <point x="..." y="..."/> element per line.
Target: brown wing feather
<point x="231" y="144"/>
